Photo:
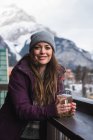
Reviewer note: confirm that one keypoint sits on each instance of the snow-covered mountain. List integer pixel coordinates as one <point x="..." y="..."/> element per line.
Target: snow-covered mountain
<point x="70" y="55"/>
<point x="16" y="27"/>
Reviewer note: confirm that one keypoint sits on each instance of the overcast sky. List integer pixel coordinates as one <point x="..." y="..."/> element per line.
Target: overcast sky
<point x="71" y="19"/>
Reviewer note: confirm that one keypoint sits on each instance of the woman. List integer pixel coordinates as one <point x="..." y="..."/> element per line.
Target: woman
<point x="33" y="87"/>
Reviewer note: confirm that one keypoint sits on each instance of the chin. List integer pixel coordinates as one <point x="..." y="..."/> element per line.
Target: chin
<point x="43" y="63"/>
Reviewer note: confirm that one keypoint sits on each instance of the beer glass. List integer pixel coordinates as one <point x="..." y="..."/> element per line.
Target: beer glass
<point x="65" y="98"/>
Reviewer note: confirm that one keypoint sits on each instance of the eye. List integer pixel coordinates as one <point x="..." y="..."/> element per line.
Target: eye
<point x="47" y="47"/>
<point x="37" y="48"/>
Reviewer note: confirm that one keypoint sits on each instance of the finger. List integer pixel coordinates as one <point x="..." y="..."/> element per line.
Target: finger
<point x="73" y="104"/>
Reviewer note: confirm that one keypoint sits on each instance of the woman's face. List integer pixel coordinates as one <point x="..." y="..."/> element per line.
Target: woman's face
<point x="42" y="53"/>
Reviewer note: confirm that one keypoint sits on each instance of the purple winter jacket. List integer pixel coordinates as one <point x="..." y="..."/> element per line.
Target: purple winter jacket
<point x="18" y="109"/>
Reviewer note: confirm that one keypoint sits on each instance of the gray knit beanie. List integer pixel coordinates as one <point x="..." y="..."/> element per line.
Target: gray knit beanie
<point x="42" y="36"/>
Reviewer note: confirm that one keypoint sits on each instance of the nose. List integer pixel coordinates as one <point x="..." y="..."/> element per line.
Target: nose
<point x="43" y="50"/>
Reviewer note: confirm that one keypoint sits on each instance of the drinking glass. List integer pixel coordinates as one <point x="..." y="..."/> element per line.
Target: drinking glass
<point x="65" y="98"/>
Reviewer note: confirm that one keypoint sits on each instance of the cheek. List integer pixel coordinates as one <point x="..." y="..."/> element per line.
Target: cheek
<point x="35" y="52"/>
<point x="50" y="54"/>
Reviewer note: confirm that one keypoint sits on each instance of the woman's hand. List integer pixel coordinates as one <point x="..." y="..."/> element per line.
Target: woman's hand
<point x="63" y="109"/>
<point x="73" y="108"/>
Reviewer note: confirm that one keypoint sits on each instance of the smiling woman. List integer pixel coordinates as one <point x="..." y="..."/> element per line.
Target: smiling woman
<point x="34" y="84"/>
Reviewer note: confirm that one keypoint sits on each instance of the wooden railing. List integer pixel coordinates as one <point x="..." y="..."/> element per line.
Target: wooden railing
<point x="78" y="127"/>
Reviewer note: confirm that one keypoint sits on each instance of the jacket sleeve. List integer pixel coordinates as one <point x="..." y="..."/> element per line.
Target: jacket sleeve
<point x="24" y="109"/>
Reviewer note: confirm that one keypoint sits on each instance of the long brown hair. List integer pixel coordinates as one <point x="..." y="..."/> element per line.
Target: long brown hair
<point x="45" y="89"/>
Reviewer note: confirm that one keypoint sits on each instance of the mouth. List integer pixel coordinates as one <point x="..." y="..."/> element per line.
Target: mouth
<point x="42" y="57"/>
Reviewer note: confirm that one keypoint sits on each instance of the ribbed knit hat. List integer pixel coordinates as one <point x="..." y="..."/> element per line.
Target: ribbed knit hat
<point x="42" y="36"/>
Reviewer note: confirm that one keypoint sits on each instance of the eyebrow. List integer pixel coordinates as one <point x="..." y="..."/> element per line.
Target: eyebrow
<point x="44" y="45"/>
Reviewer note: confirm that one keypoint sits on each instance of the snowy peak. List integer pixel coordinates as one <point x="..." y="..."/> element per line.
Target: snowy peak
<point x="14" y="23"/>
<point x="13" y="14"/>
